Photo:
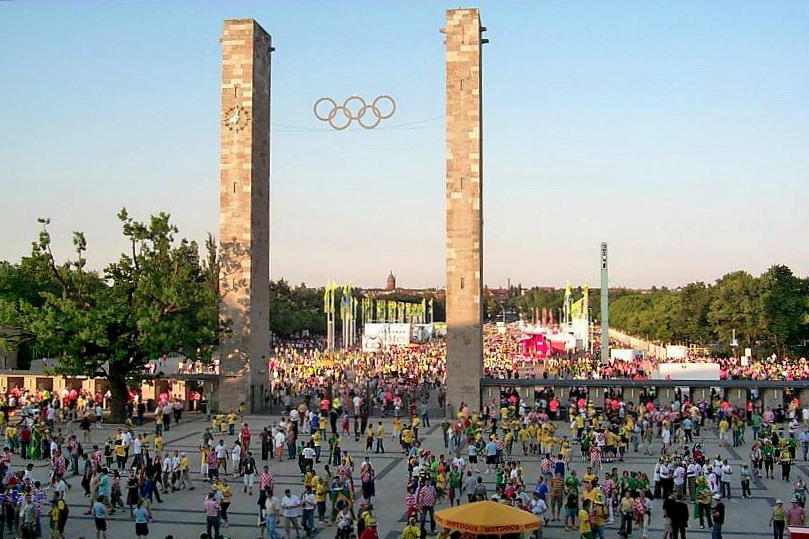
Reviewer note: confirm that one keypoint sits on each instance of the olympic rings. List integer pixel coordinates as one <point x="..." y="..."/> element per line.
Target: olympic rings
<point x="345" y="111"/>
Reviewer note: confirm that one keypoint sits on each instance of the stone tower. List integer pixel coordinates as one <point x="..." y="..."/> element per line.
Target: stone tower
<point x="464" y="206"/>
<point x="391" y="282"/>
<point x="244" y="214"/>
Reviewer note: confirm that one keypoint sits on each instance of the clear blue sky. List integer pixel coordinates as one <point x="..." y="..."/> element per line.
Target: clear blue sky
<point x="677" y="131"/>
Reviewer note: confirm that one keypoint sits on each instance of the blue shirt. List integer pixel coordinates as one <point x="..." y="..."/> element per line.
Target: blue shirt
<point x="104" y="486"/>
<point x="542" y="491"/>
<point x="491" y="449"/>
<point x="99" y="510"/>
<point x="141" y="515"/>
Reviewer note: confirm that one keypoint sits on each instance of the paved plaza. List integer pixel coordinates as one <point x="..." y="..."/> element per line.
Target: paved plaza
<point x="181" y="513"/>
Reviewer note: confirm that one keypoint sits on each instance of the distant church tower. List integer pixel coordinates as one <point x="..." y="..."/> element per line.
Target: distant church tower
<point x="391" y="282"/>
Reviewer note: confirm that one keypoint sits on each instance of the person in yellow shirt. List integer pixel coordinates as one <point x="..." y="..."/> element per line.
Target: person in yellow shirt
<point x="407" y="438"/>
<point x="369" y="437"/>
<point x="204" y="451"/>
<point x="232" y="418"/>
<point x="440" y="486"/>
<point x="227" y="499"/>
<point x="317" y="442"/>
<point x="120" y="455"/>
<point x="415" y="426"/>
<point x="589" y="476"/>
<point x="185" y="476"/>
<point x="320" y="498"/>
<point x="579" y="425"/>
<point x="508" y="441"/>
<point x="397" y="428"/>
<point x="158" y="443"/>
<point x="584" y="521"/>
<point x="380" y="439"/>
<point x="523" y="436"/>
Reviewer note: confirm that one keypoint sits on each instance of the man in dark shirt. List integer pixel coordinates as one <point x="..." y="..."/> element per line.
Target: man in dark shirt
<point x="718" y="517"/>
<point x="679" y="519"/>
<point x="668" y="509"/>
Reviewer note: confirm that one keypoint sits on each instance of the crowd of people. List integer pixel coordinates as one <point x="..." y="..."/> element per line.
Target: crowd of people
<point x="127" y="472"/>
<point x="328" y="398"/>
<point x="297" y="364"/>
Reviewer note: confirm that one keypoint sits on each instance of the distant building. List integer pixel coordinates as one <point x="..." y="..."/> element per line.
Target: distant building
<point x="391" y="284"/>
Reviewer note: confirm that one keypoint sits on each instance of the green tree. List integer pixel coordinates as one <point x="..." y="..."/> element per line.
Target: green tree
<point x="154" y="299"/>
<point x="692" y="322"/>
<point x="784" y="306"/>
<point x="737" y="306"/>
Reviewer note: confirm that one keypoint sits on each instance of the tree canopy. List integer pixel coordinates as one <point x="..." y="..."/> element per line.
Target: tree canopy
<point x="155" y="299"/>
<point x="769" y="312"/>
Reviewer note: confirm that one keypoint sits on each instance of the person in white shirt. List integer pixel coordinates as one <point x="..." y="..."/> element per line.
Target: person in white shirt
<point x="665" y="478"/>
<point x="236" y="457"/>
<point x="356" y="401"/>
<point x="290" y="511"/>
<point x="272" y="512"/>
<point x="538" y="507"/>
<point x="175" y="470"/>
<point x="691" y="477"/>
<point x="308" y="504"/>
<point x="713" y="482"/>
<point x="28" y="476"/>
<point x="679" y="480"/>
<point x="221" y="457"/>
<point x="280" y="440"/>
<point x="727" y="472"/>
<point x="167" y="475"/>
<point x="137" y="450"/>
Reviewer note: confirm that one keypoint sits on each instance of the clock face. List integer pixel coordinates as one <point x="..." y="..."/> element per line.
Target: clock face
<point x="236" y="118"/>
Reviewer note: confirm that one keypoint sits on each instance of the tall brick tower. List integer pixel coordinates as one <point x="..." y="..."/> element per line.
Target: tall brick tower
<point x="464" y="201"/>
<point x="244" y="213"/>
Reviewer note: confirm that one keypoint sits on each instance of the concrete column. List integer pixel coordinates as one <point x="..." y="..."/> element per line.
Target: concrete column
<point x="665" y="395"/>
<point x="596" y="396"/>
<point x="737" y="397"/>
<point x="244" y="213"/>
<point x="772" y="398"/>
<point x="699" y="394"/>
<point x="464" y="207"/>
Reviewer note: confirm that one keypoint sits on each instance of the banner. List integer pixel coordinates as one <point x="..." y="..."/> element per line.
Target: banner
<point x="676" y="351"/>
<point x="422" y="333"/>
<point x="378" y="337"/>
<point x="686" y="371"/>
<point x="576" y="309"/>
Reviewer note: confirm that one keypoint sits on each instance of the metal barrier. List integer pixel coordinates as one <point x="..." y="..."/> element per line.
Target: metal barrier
<point x="737" y="392"/>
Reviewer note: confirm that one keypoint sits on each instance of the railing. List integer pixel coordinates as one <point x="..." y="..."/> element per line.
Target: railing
<point x="568" y="382"/>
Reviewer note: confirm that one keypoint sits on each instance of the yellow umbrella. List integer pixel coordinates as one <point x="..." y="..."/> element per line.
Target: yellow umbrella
<point x="487" y="518"/>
